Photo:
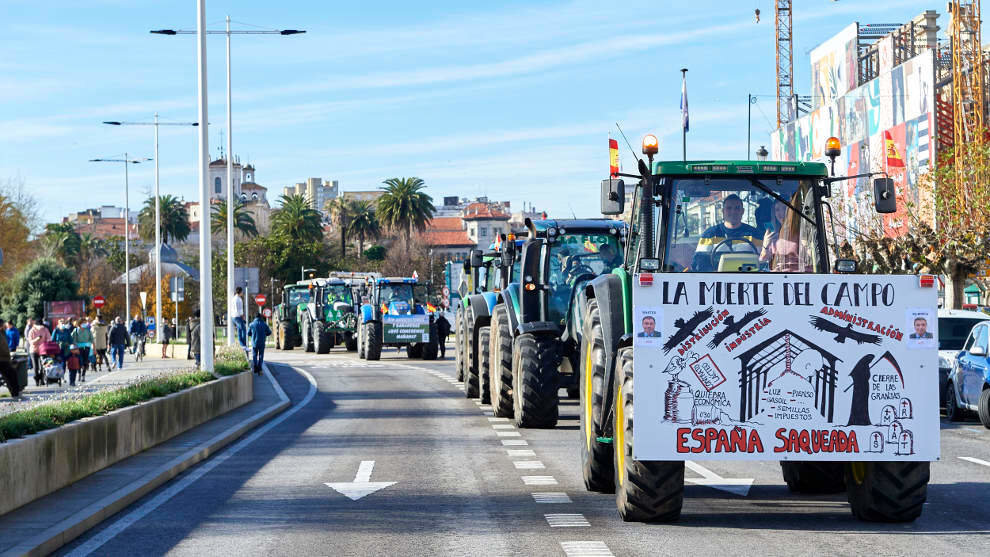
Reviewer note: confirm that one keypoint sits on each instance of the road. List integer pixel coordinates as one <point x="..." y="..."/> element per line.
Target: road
<point x="461" y="486"/>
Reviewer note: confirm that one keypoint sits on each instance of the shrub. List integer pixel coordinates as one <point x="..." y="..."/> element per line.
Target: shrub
<point x="230" y="360"/>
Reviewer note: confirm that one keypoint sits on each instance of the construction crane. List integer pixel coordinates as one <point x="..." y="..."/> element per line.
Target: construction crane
<point x="786" y="106"/>
<point x="968" y="103"/>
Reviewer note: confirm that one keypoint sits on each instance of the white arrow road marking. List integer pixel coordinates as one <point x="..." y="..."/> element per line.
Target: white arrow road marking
<point x="737" y="486"/>
<point x="362" y="484"/>
<point x="974" y="460"/>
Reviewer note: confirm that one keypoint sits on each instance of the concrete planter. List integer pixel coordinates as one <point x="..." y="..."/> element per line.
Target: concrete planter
<point x="39" y="464"/>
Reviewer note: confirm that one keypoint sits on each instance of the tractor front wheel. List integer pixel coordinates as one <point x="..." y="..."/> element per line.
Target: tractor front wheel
<point x="373" y="340"/>
<point x="596" y="455"/>
<point x="285" y="333"/>
<point x="814" y="477"/>
<point x="535" y="380"/>
<point x="500" y="364"/>
<point x="887" y="491"/>
<point x="321" y="339"/>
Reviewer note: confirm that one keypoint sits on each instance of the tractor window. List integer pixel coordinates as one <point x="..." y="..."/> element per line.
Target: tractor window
<point x="300" y="296"/>
<point x="576" y="257"/>
<point x="338" y="293"/>
<point x="396" y="293"/>
<point x="731" y="225"/>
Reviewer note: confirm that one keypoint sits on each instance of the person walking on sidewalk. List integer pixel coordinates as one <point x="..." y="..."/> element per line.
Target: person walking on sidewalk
<point x="8" y="372"/>
<point x="82" y="337"/>
<point x="73" y="363"/>
<point x="443" y="331"/>
<point x="138" y="331"/>
<point x="13" y="337"/>
<point x="117" y="338"/>
<point x="194" y="341"/>
<point x="259" y="332"/>
<point x="37" y="336"/>
<point x="238" y="317"/>
<point x="63" y="336"/>
<point x="166" y="338"/>
<point x="99" y="329"/>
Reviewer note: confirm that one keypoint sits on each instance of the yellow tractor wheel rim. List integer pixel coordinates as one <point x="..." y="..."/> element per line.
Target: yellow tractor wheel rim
<point x="858" y="470"/>
<point x="619" y="438"/>
<point x="588" y="433"/>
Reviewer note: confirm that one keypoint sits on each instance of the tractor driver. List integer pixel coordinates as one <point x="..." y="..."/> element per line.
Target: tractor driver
<point x="731" y="235"/>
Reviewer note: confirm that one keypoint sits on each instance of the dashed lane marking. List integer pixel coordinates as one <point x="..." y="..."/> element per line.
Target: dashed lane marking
<point x="508" y="434"/>
<point x="514" y="442"/>
<point x="528" y="465"/>
<point x="551" y="497"/>
<point x="520" y="452"/>
<point x="567" y="520"/>
<point x="503" y="426"/>
<point x="498" y="419"/>
<point x="585" y="549"/>
<point x="974" y="460"/>
<point x="539" y="480"/>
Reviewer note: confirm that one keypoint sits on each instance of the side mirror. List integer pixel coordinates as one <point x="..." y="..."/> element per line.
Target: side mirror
<point x="977" y="351"/>
<point x="883" y="195"/>
<point x="476" y="259"/>
<point x="613" y="196"/>
<point x="845" y="266"/>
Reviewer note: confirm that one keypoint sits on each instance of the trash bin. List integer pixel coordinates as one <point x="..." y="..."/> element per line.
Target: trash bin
<point x="20" y="362"/>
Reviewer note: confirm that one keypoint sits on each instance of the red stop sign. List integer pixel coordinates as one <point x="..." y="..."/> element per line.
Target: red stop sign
<point x="260" y="299"/>
<point x="99" y="301"/>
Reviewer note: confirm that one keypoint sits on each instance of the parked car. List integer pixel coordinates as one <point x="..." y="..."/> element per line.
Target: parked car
<point x="954" y="326"/>
<point x="969" y="381"/>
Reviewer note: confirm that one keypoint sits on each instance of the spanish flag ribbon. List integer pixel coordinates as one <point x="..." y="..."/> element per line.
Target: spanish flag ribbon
<point x="384" y="309"/>
<point x="430" y="307"/>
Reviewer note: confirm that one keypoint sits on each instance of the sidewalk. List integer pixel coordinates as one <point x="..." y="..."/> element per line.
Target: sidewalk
<point x="46" y="524"/>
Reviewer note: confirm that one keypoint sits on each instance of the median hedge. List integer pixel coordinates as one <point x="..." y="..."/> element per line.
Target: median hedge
<point x="230" y="360"/>
<point x="56" y="414"/>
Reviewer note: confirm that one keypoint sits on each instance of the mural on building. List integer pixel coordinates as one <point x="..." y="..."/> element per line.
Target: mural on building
<point x="900" y="101"/>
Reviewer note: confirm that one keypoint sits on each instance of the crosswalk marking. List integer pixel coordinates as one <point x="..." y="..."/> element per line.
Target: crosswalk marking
<point x="566" y="520"/>
<point x="498" y="419"/>
<point x="585" y="549"/>
<point x="514" y="442"/>
<point x="528" y="465"/>
<point x="551" y="497"/>
<point x="520" y="452"/>
<point x="503" y="426"/>
<point x="539" y="480"/>
<point x="508" y="434"/>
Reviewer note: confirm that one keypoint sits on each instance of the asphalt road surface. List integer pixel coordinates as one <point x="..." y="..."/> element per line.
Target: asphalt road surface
<point x="466" y="483"/>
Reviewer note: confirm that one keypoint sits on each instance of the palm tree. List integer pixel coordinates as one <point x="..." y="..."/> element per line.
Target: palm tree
<point x="297" y="220"/>
<point x="404" y="205"/>
<point x="364" y="223"/>
<point x="61" y="241"/>
<point x="243" y="221"/>
<point x="91" y="247"/>
<point x="175" y="219"/>
<point x="340" y="211"/>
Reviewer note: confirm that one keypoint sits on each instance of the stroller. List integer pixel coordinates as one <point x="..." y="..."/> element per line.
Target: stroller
<point x="52" y="363"/>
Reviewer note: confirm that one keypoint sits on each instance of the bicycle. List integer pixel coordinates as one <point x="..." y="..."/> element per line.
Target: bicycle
<point x="139" y="348"/>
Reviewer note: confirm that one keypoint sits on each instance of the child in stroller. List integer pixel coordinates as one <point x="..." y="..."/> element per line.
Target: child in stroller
<point x="52" y="363"/>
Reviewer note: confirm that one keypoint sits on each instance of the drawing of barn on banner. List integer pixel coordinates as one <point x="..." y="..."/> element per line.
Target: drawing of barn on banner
<point x="786" y="355"/>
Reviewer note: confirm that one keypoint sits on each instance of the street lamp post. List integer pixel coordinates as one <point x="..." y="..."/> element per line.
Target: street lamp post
<point x="230" y="151"/>
<point x="303" y="271"/>
<point x="127" y="232"/>
<point x="158" y="217"/>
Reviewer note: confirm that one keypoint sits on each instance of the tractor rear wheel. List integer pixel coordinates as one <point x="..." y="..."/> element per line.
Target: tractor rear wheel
<point x="307" y="335"/>
<point x="887" y="491"/>
<point x="285" y="333"/>
<point x="321" y="339"/>
<point x="484" y="363"/>
<point x="500" y="364"/>
<point x="414" y="350"/>
<point x="645" y="491"/>
<point x="471" y="379"/>
<point x="535" y="380"/>
<point x="814" y="477"/>
<point x="599" y="474"/>
<point x="459" y="344"/>
<point x="373" y="340"/>
<point x="432" y="347"/>
<point x="350" y="341"/>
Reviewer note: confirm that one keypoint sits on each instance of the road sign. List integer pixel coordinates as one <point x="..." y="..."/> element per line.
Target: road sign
<point x="446" y="292"/>
<point x="144" y="299"/>
<point x="267" y="312"/>
<point x="99" y="301"/>
<point x="260" y="299"/>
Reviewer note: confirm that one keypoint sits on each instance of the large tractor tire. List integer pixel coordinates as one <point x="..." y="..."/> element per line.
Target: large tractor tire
<point x="645" y="491"/>
<point x="285" y="333"/>
<point x="432" y="347"/>
<point x="534" y="377"/>
<point x="484" y="364"/>
<point x="813" y="477"/>
<point x="596" y="456"/>
<point x="278" y="340"/>
<point x="500" y="364"/>
<point x="414" y="350"/>
<point x="351" y="341"/>
<point x="459" y="344"/>
<point x="321" y="339"/>
<point x="472" y="381"/>
<point x="984" y="408"/>
<point x="307" y="335"/>
<point x="887" y="491"/>
<point x="373" y="340"/>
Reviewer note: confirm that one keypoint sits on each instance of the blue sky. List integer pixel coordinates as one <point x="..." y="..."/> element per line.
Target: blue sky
<point x="513" y="100"/>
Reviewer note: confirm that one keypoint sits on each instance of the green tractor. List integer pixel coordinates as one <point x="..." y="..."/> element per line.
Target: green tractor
<point x="535" y="329"/>
<point x="329" y="318"/>
<point x="286" y="314"/>
<point x="726" y="298"/>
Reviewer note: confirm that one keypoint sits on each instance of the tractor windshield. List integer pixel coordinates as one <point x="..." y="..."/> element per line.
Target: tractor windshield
<point x="300" y="296"/>
<point x="338" y="293"/>
<point x="575" y="257"/>
<point x="399" y="292"/>
<point x="735" y="225"/>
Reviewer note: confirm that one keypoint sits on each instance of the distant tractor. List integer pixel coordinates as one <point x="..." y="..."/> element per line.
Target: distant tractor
<point x="286" y="316"/>
<point x="330" y="317"/>
<point x="399" y="312"/>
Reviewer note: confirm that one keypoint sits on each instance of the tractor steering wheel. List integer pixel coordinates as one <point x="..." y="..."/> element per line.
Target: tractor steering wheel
<point x="714" y="252"/>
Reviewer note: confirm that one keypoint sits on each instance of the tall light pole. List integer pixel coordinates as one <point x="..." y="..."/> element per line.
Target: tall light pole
<point x="230" y="163"/>
<point x="158" y="217"/>
<point x="205" y="251"/>
<point x="127" y="231"/>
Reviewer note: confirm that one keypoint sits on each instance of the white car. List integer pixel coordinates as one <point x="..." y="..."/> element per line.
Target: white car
<point x="954" y="326"/>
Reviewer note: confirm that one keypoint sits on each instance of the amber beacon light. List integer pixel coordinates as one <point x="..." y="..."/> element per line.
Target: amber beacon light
<point x="650" y="144"/>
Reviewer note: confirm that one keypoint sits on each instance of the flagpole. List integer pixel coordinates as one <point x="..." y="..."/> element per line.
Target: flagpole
<point x="684" y="112"/>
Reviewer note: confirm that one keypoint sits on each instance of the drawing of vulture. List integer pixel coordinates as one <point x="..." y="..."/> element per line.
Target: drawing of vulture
<point x="732" y="327"/>
<point x="842" y="333"/>
<point x="684" y="329"/>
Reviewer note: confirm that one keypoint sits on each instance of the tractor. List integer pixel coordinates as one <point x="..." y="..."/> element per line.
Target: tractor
<point x="329" y="318"/>
<point x="400" y="312"/>
<point x="535" y="330"/>
<point x="287" y="314"/>
<point x="734" y="374"/>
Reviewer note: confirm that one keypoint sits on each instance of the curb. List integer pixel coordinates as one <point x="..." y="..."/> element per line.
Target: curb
<point x="53" y="538"/>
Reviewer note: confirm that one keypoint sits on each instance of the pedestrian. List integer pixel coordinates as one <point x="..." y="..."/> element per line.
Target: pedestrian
<point x="73" y="363"/>
<point x="82" y="337"/>
<point x="63" y="336"/>
<point x="100" y="330"/>
<point x="166" y="338"/>
<point x="7" y="371"/>
<point x="237" y="315"/>
<point x="194" y="344"/>
<point x="13" y="337"/>
<point x="259" y="332"/>
<point x="117" y="339"/>
<point x="27" y="346"/>
<point x="443" y="331"/>
<point x="137" y="330"/>
<point x="38" y="336"/>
